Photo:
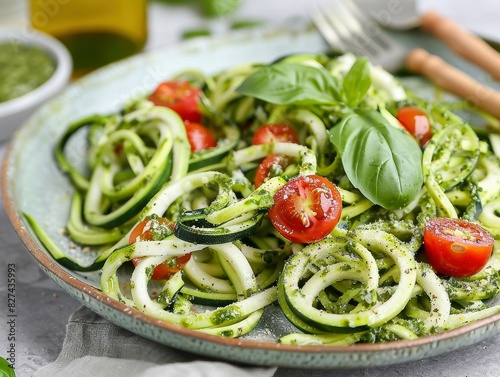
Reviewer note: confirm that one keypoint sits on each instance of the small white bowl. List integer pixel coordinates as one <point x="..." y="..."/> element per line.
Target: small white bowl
<point x="15" y="111"/>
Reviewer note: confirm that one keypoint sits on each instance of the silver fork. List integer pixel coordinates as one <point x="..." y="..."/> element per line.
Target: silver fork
<point x="347" y="28"/>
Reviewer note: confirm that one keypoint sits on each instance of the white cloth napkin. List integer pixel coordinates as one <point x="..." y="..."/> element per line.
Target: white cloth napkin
<point x="94" y="347"/>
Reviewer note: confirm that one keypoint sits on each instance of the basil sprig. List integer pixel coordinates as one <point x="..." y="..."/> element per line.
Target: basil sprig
<point x="383" y="162"/>
<point x="380" y="160"/>
<point x="357" y="82"/>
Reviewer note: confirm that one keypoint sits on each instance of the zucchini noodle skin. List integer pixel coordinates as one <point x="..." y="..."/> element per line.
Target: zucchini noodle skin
<point x="364" y="283"/>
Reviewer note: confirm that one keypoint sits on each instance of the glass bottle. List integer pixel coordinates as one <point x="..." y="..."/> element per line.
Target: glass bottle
<point x="96" y="32"/>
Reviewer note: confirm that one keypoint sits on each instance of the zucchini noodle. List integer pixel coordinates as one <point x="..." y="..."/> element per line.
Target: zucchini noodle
<point x="365" y="282"/>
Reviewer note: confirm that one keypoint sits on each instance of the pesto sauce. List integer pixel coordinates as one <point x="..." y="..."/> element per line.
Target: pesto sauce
<point x="22" y="69"/>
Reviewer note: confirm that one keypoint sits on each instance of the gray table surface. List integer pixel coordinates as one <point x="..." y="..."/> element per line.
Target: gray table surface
<point x="43" y="309"/>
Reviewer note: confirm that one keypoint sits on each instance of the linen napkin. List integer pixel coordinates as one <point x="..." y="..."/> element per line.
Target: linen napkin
<point x="94" y="347"/>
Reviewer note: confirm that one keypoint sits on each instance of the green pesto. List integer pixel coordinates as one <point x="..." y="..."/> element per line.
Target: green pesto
<point x="164" y="299"/>
<point x="270" y="256"/>
<point x="379" y="335"/>
<point x="149" y="272"/>
<point x="23" y="68"/>
<point x="367" y="297"/>
<point x="182" y="306"/>
<point x="227" y="333"/>
<point x="224" y="315"/>
<point x="345" y="267"/>
<point x="157" y="229"/>
<point x="482" y="289"/>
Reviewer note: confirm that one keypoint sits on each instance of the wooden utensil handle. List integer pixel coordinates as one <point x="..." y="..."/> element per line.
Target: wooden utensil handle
<point x="462" y="42"/>
<point x="453" y="80"/>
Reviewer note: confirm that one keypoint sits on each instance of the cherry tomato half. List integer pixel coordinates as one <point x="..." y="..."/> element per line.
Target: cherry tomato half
<point x="180" y="96"/>
<point x="271" y="166"/>
<point x="151" y="229"/>
<point x="456" y="247"/>
<point x="157" y="228"/>
<point x="416" y="122"/>
<point x="199" y="136"/>
<point x="269" y="133"/>
<point x="168" y="268"/>
<point x="306" y="209"/>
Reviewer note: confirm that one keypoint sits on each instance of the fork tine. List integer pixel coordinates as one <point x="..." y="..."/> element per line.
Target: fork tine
<point x="327" y="30"/>
<point x="369" y="25"/>
<point x="347" y="27"/>
<point x="385" y="44"/>
<point x="356" y="28"/>
<point x="341" y="28"/>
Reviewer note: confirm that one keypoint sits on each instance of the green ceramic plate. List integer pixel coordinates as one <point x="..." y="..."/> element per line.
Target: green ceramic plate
<point x="33" y="184"/>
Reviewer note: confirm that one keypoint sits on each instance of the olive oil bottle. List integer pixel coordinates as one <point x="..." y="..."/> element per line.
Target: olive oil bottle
<point x="96" y="32"/>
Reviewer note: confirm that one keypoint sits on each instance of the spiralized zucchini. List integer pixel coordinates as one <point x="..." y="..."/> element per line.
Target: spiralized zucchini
<point x="365" y="282"/>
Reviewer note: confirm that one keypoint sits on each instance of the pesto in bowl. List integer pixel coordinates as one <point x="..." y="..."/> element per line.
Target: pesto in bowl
<point x="33" y="68"/>
<point x="23" y="68"/>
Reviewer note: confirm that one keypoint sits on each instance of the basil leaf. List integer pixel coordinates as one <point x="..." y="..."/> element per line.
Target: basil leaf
<point x="383" y="162"/>
<point x="292" y="84"/>
<point x="357" y="82"/>
<point x="219" y="8"/>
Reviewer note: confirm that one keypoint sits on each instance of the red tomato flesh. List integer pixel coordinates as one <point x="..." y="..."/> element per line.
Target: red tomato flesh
<point x="168" y="268"/>
<point x="180" y="96"/>
<point x="151" y="229"/>
<point x="416" y="122"/>
<point x="199" y="136"/>
<point x="456" y="247"/>
<point x="155" y="229"/>
<point x="272" y="165"/>
<point x="306" y="209"/>
<point x="272" y="133"/>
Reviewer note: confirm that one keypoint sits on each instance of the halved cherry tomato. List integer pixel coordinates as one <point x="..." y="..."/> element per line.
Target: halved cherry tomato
<point x="306" y="209"/>
<point x="151" y="229"/>
<point x="270" y="166"/>
<point x="167" y="268"/>
<point x="269" y="133"/>
<point x="180" y="96"/>
<point x="157" y="228"/>
<point x="456" y="247"/>
<point x="416" y="122"/>
<point x="199" y="136"/>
